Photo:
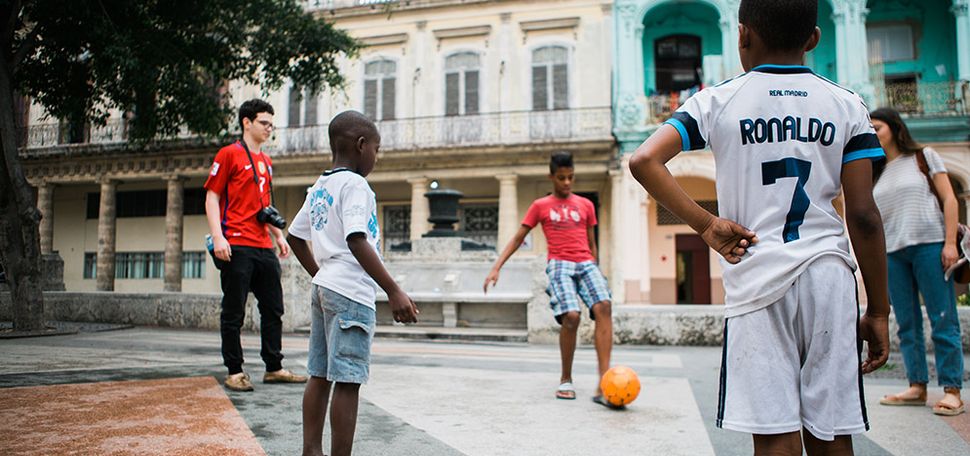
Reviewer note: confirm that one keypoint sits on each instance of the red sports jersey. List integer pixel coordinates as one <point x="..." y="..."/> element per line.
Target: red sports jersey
<point x="564" y="222"/>
<point x="231" y="177"/>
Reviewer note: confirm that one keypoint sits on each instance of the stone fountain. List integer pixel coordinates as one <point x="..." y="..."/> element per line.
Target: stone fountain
<point x="443" y="273"/>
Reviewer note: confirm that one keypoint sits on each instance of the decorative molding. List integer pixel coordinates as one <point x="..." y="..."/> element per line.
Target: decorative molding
<point x="384" y="40"/>
<point x="549" y="24"/>
<point x="463" y="32"/>
<point x="505" y="17"/>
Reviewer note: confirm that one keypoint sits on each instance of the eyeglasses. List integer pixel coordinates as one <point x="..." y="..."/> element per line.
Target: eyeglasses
<point x="266" y="124"/>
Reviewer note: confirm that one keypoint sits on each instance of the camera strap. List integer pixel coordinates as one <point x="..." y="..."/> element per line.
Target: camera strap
<point x="252" y="166"/>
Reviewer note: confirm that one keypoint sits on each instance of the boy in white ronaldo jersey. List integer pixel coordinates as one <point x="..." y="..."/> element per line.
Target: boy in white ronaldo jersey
<point x="784" y="141"/>
<point x="339" y="219"/>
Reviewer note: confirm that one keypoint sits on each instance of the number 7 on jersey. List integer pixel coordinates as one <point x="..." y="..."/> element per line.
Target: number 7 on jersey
<point x="790" y="167"/>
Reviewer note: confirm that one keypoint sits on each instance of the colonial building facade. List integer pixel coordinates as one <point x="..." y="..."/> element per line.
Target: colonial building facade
<point x="468" y="95"/>
<point x="475" y="95"/>
<point x="913" y="55"/>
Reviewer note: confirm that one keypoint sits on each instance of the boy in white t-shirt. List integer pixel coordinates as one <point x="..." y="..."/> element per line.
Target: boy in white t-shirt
<point x="339" y="219"/>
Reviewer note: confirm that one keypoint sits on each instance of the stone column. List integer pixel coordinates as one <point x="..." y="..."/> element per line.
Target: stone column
<point x="508" y="209"/>
<point x="173" y="234"/>
<point x="419" y="207"/>
<point x="106" y="235"/>
<point x="617" y="241"/>
<point x="629" y="109"/>
<point x="45" y="204"/>
<point x="961" y="10"/>
<point x="852" y="47"/>
<point x="729" y="43"/>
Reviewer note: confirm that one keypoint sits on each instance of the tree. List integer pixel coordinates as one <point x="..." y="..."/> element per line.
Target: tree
<point x="162" y="61"/>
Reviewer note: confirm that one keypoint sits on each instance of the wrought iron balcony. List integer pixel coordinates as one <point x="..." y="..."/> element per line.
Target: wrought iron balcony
<point x="115" y="131"/>
<point x="919" y="99"/>
<point x="504" y="128"/>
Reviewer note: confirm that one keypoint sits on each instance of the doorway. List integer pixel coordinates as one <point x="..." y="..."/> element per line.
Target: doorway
<point x="693" y="270"/>
<point x="678" y="61"/>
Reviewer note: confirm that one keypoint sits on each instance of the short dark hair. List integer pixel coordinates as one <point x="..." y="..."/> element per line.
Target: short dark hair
<point x="251" y="108"/>
<point x="346" y="127"/>
<point x="783" y="25"/>
<point x="560" y="160"/>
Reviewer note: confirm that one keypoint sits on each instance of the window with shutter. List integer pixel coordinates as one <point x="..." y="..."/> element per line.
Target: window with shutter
<point x="452" y="95"/>
<point x="560" y="87"/>
<point x="370" y="99"/>
<point x="310" y="108"/>
<point x="890" y="42"/>
<point x="293" y="115"/>
<point x="462" y="84"/>
<point x="550" y="78"/>
<point x="387" y="98"/>
<point x="379" y="89"/>
<point x="540" y="99"/>
<point x="471" y="92"/>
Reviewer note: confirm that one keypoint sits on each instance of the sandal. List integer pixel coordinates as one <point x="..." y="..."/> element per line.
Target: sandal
<point x="894" y="399"/>
<point x="944" y="409"/>
<point x="898" y="399"/>
<point x="566" y="391"/>
<point x="602" y="401"/>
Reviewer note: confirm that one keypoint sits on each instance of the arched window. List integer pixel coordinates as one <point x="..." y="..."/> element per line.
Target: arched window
<point x="461" y="84"/>
<point x="550" y="80"/>
<point x="379" y="92"/>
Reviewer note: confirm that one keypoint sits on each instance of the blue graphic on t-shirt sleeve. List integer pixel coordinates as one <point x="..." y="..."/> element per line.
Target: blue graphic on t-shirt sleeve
<point x="320" y="203"/>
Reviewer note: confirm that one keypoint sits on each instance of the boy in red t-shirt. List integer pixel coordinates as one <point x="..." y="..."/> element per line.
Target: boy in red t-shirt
<point x="567" y="222"/>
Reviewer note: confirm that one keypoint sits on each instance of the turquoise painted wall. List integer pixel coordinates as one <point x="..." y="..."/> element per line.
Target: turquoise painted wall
<point x="677" y="18"/>
<point x="934" y="31"/>
<point x="822" y="59"/>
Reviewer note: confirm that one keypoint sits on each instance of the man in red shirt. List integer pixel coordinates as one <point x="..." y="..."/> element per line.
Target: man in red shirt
<point x="239" y="186"/>
<point x="567" y="222"/>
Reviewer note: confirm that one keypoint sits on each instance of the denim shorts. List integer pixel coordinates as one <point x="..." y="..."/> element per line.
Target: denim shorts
<point x="569" y="282"/>
<point x="341" y="331"/>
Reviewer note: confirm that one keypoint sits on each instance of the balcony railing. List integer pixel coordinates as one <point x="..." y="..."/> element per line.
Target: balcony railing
<point x="505" y="128"/>
<point x="337" y="4"/>
<point x="918" y="99"/>
<point x="935" y="99"/>
<point x="54" y="134"/>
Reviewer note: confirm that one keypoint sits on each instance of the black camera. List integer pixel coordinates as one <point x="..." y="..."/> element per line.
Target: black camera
<point x="270" y="215"/>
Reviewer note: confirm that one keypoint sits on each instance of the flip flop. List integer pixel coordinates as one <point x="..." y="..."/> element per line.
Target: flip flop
<point x="566" y="391"/>
<point x="602" y="401"/>
<point x="893" y="399"/>
<point x="944" y="409"/>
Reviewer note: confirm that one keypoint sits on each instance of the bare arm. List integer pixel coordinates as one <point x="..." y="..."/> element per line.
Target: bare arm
<point x="402" y="307"/>
<point x="280" y="240"/>
<point x="866" y="232"/>
<point x="304" y="254"/>
<point x="950" y="215"/>
<point x="591" y="236"/>
<point x="510" y="248"/>
<point x="221" y="247"/>
<point x="649" y="167"/>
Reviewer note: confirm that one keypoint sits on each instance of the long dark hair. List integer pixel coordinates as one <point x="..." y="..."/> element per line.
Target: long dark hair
<point x="900" y="133"/>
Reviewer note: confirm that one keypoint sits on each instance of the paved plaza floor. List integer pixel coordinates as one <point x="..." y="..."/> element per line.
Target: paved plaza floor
<point x="424" y="398"/>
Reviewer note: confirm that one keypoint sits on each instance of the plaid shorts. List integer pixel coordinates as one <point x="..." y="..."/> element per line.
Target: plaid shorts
<point x="569" y="281"/>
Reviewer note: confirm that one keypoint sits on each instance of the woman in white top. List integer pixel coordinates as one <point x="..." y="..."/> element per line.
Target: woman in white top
<point x="921" y="243"/>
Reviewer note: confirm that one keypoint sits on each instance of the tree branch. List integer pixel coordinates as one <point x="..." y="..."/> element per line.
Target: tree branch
<point x="28" y="46"/>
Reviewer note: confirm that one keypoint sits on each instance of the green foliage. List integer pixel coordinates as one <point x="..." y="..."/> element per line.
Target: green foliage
<point x="963" y="300"/>
<point x="168" y="61"/>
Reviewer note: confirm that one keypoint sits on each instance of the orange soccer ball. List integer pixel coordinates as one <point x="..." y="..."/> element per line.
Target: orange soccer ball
<point x="620" y="385"/>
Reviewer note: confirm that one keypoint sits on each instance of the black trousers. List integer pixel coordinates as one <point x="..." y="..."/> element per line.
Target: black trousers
<point x="257" y="270"/>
